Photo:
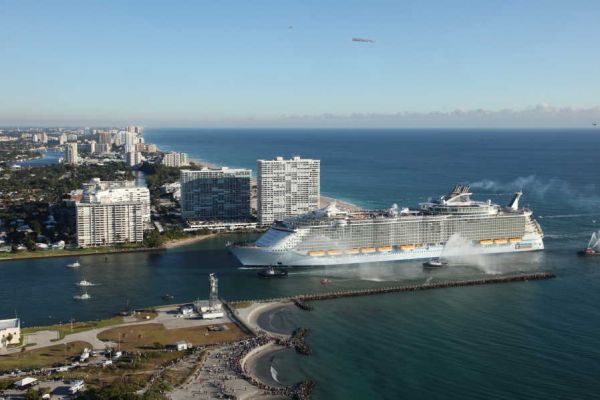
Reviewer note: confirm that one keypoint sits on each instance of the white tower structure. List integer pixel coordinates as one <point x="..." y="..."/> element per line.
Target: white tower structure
<point x="213" y="290"/>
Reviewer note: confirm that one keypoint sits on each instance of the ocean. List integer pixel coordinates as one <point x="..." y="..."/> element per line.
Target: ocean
<point x="534" y="340"/>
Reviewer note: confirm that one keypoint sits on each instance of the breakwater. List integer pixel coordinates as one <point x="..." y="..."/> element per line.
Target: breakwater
<point x="300" y="300"/>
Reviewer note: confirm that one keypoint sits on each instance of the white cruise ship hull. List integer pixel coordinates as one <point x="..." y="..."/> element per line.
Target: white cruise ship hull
<point x="261" y="256"/>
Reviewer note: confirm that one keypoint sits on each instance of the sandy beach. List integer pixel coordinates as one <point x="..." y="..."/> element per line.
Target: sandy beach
<point x="185" y="241"/>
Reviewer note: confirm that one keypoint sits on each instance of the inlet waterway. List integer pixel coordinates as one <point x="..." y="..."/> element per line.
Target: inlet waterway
<point x="537" y="340"/>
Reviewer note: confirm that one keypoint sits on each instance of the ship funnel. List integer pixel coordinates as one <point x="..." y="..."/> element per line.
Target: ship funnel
<point x="514" y="203"/>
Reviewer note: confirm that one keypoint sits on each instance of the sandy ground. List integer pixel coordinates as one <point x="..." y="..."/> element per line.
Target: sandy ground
<point x="216" y="377"/>
<point x="250" y="315"/>
<point x="251" y="361"/>
<point x="182" y="242"/>
<point x="324" y="201"/>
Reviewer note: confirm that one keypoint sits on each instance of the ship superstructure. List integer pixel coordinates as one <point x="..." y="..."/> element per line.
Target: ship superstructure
<point x="332" y="236"/>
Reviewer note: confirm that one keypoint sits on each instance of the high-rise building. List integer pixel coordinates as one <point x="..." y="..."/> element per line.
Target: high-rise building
<point x="104" y="138"/>
<point x="71" y="156"/>
<point x="112" y="212"/>
<point x="174" y="159"/>
<point x="103" y="148"/>
<point x="62" y="139"/>
<point x="130" y="140"/>
<point x="216" y="194"/>
<point x="92" y="146"/>
<point x="287" y="188"/>
<point x="135" y="129"/>
<point x="133" y="158"/>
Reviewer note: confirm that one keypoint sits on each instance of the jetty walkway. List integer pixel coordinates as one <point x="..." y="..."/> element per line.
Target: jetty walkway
<point x="300" y="300"/>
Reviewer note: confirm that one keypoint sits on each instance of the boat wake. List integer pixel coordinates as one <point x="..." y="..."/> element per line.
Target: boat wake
<point x="274" y="374"/>
<point x="568" y="216"/>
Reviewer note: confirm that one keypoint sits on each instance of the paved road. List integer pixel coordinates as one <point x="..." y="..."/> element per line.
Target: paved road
<point x="168" y="317"/>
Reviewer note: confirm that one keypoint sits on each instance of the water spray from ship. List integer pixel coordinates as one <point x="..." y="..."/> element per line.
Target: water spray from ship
<point x="459" y="250"/>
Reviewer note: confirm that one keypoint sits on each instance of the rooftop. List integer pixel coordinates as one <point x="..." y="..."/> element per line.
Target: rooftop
<point x="10" y="323"/>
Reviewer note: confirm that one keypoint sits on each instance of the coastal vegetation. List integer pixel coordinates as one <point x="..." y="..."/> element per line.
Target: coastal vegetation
<point x="43" y="357"/>
<point x="36" y="204"/>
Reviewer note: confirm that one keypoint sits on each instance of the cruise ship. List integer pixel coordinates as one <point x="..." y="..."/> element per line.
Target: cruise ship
<point x="451" y="225"/>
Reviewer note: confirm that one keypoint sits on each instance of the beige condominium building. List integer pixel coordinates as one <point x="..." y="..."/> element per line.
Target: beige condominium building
<point x="287" y="188"/>
<point x="112" y="212"/>
<point x="71" y="155"/>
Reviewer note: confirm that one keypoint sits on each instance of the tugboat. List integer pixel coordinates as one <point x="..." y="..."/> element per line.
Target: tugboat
<point x="593" y="247"/>
<point x="73" y="265"/>
<point x="435" y="263"/>
<point x="272" y="272"/>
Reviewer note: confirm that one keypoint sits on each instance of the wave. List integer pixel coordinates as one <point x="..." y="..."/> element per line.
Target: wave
<point x="569" y="216"/>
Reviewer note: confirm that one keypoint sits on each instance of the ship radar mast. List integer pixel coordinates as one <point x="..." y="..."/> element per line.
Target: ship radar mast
<point x="460" y="194"/>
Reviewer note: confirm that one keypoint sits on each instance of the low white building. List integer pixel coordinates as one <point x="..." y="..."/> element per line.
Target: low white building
<point x="10" y="331"/>
<point x="25" y="383"/>
<point x="183" y="345"/>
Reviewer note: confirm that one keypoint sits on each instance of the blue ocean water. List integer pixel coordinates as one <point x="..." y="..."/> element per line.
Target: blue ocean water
<point x="514" y="341"/>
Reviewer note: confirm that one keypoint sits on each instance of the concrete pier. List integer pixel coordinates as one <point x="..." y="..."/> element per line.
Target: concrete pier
<point x="300" y="300"/>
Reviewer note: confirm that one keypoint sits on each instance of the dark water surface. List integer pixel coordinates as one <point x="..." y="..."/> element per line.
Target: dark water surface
<point x="537" y="340"/>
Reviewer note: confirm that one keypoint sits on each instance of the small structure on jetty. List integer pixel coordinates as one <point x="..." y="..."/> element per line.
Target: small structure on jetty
<point x="215" y="308"/>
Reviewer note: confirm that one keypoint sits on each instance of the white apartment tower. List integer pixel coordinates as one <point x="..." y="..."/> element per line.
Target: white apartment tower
<point x="130" y="140"/>
<point x="133" y="158"/>
<point x="112" y="212"/>
<point x="287" y="188"/>
<point x="71" y="155"/>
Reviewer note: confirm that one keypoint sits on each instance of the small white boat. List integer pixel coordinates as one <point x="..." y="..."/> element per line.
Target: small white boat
<point x="83" y="296"/>
<point x="85" y="283"/>
<point x="435" y="263"/>
<point x="74" y="265"/>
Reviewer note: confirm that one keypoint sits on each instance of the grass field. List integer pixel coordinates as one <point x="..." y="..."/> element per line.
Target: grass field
<point x="146" y="336"/>
<point x="44" y="357"/>
<point x="66" y="329"/>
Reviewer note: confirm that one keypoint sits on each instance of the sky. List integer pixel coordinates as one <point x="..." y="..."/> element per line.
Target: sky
<point x="293" y="63"/>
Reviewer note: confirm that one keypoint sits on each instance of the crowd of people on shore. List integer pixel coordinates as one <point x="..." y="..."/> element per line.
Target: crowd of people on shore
<point x="236" y="361"/>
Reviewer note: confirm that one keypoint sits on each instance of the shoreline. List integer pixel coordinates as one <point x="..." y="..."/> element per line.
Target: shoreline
<point x="171" y="244"/>
<point x="324" y="201"/>
<point x="250" y="363"/>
